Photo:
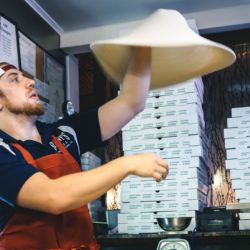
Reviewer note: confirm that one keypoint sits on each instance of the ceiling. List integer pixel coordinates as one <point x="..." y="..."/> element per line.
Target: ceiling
<point x="80" y="22"/>
<point x="71" y="15"/>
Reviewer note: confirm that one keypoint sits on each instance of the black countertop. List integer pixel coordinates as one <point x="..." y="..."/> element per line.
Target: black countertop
<point x="216" y="240"/>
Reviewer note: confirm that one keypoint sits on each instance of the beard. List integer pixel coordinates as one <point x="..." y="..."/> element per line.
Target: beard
<point x="27" y="109"/>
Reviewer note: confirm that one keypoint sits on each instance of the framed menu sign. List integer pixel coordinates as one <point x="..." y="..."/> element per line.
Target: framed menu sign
<point x="8" y="42"/>
<point x="54" y="72"/>
<point x="54" y="77"/>
<point x="27" y="54"/>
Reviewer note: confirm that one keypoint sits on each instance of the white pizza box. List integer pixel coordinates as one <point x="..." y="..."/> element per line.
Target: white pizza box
<point x="236" y="132"/>
<point x="168" y="153"/>
<point x="237" y="163"/>
<point x="239" y="122"/>
<point x="244" y="224"/>
<point x="126" y="218"/>
<point x="238" y="153"/>
<point x="241" y="111"/>
<point x="240" y="184"/>
<point x="243" y="174"/>
<point x="136" y="228"/>
<point x="162" y="195"/>
<point x="242" y="193"/>
<point x="192" y="109"/>
<point x="190" y="86"/>
<point x="166" y="142"/>
<point x="244" y="215"/>
<point x="136" y="217"/>
<point x="161" y="101"/>
<point x="151" y="206"/>
<point x="166" y="184"/>
<point x="178" y="164"/>
<point x="162" y="132"/>
<point x="174" y="173"/>
<point x="237" y="142"/>
<point x="153" y="227"/>
<point x="163" y="121"/>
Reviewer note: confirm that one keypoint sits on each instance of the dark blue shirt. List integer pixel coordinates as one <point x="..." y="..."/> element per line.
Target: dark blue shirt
<point x="78" y="133"/>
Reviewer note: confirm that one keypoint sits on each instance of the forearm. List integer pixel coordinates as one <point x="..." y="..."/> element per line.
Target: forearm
<point x="116" y="113"/>
<point x="73" y="191"/>
<point x="136" y="83"/>
<point x="81" y="188"/>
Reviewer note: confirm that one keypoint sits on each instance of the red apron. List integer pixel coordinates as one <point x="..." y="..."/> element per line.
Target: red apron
<point x="29" y="229"/>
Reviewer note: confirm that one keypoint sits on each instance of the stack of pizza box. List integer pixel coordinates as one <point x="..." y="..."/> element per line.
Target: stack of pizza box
<point x="171" y="126"/>
<point x="237" y="144"/>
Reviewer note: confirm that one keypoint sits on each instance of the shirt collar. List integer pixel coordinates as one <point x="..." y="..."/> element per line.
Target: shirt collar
<point x="45" y="130"/>
<point x="7" y="138"/>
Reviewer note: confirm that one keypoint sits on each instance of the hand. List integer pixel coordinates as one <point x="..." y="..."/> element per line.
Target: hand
<point x="148" y="165"/>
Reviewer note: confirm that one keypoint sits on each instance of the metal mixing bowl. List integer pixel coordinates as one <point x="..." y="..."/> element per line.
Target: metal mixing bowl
<point x="174" y="224"/>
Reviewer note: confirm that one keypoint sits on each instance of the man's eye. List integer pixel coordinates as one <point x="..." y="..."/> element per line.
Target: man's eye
<point x="15" y="79"/>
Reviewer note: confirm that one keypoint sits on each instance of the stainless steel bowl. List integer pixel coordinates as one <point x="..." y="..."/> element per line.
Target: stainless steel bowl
<point x="174" y="224"/>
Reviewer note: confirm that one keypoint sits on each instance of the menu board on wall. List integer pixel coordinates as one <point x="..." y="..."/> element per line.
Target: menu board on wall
<point x="27" y="54"/>
<point x="54" y="73"/>
<point x="8" y="42"/>
<point x="40" y="54"/>
<point x="54" y="77"/>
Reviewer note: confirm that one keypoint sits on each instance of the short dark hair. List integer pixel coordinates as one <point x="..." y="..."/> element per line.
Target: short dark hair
<point x="3" y="63"/>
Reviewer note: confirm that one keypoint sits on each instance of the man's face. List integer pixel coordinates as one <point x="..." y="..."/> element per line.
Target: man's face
<point x="18" y="95"/>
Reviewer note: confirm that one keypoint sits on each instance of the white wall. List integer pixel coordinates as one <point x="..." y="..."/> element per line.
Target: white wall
<point x="222" y="17"/>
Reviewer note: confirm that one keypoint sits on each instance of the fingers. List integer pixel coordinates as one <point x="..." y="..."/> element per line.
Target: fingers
<point x="162" y="167"/>
<point x="161" y="162"/>
<point x="164" y="175"/>
<point x="157" y="176"/>
<point x="150" y="165"/>
<point x="161" y="172"/>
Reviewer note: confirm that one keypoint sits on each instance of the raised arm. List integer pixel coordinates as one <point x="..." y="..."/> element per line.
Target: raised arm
<point x="134" y="90"/>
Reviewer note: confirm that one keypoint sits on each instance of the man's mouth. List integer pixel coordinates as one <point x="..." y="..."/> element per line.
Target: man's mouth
<point x="34" y="96"/>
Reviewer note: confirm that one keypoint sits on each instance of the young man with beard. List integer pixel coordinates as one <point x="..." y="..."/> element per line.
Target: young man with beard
<point x="43" y="194"/>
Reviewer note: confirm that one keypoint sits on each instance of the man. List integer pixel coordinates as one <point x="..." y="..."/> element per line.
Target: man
<point x="43" y="194"/>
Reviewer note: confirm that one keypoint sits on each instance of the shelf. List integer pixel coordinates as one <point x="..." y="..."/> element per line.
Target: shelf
<point x="230" y="238"/>
<point x="239" y="207"/>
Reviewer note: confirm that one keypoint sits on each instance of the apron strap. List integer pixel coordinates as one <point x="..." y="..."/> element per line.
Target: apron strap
<point x="59" y="144"/>
<point x="26" y="154"/>
<point x="29" y="158"/>
<point x="64" y="150"/>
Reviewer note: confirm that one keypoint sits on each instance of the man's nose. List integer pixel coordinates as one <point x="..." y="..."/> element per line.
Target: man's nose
<point x="30" y="83"/>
